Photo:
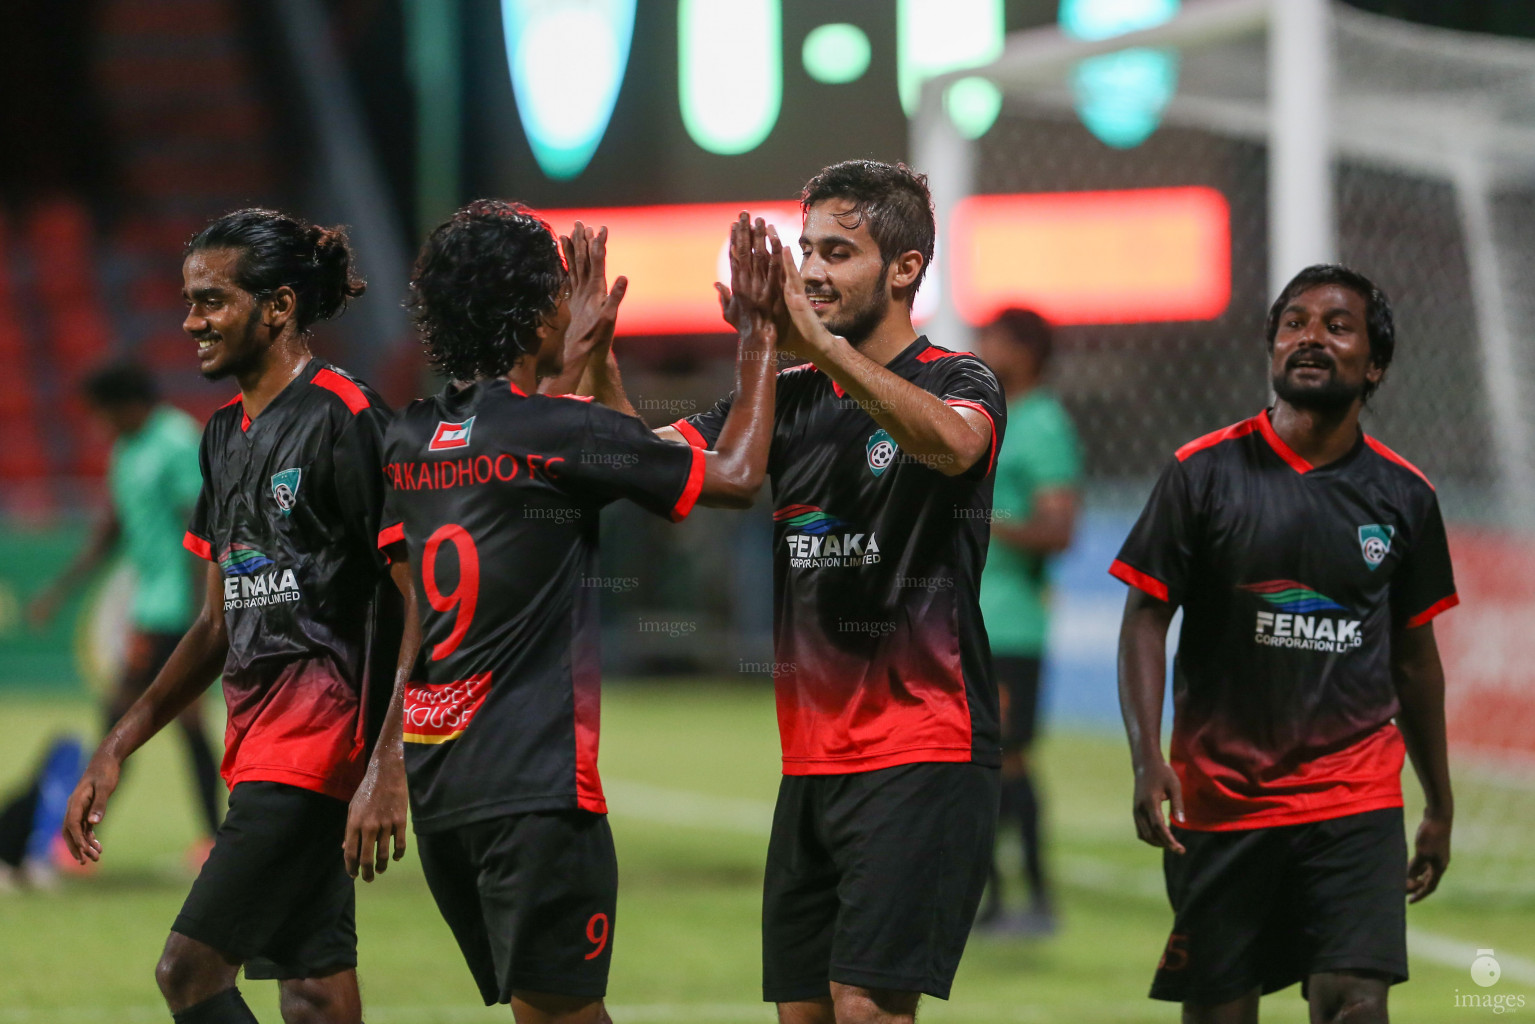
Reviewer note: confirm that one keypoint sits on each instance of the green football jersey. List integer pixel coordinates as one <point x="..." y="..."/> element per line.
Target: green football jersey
<point x="154" y="480"/>
<point x="1039" y="452"/>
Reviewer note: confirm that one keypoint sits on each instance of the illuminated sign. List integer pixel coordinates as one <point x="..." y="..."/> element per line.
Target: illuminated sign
<point x="1093" y="257"/>
<point x="565" y="104"/>
<point x="729" y="71"/>
<point x="934" y="37"/>
<point x="1076" y="257"/>
<point x="672" y="255"/>
<point x="1120" y="96"/>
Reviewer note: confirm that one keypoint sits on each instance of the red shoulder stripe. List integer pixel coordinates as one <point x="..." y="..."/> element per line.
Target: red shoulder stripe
<point x="1139" y="580"/>
<point x="1387" y="453"/>
<point x="933" y="352"/>
<point x="199" y="547"/>
<point x="1214" y="438"/>
<point x="391" y="535"/>
<point x="233" y="401"/>
<point x="690" y="434"/>
<point x="1442" y="605"/>
<point x="342" y="388"/>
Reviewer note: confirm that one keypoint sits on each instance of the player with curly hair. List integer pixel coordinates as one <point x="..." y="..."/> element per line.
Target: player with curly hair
<point x="298" y="619"/>
<point x="494" y="490"/>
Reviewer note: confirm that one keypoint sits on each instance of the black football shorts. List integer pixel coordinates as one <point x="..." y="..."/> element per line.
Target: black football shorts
<point x="274" y="892"/>
<point x="873" y="878"/>
<point x="1018" y="679"/>
<point x="530" y="899"/>
<point x="1267" y="907"/>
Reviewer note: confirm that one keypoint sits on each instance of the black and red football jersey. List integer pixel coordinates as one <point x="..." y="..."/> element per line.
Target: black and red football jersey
<point x="496" y="496"/>
<point x="289" y="511"/>
<point x="1292" y="579"/>
<point x="880" y="655"/>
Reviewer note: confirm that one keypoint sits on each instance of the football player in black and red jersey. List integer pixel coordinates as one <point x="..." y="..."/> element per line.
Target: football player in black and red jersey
<point x="882" y="457"/>
<point x="1309" y="560"/>
<point x="299" y="619"/>
<point x="493" y="496"/>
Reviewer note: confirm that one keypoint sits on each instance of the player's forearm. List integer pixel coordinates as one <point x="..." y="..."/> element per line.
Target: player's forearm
<point x="737" y="464"/>
<point x="607" y="384"/>
<point x="1142" y="675"/>
<point x="1041" y="534"/>
<point x="1419" y="678"/>
<point x="192" y="667"/>
<point x="390" y="748"/>
<point x="922" y="424"/>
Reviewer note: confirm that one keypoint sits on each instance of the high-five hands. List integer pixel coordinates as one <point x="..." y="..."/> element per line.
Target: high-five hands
<point x="755" y="294"/>
<point x="801" y="332"/>
<point x="593" y="308"/>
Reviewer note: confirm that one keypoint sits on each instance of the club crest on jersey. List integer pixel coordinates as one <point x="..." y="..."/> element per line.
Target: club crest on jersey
<point x="880" y="451"/>
<point x="451" y="435"/>
<point x="285" y="489"/>
<point x="1375" y="543"/>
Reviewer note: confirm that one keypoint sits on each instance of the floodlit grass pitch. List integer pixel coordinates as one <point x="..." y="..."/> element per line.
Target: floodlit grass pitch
<point x="691" y="772"/>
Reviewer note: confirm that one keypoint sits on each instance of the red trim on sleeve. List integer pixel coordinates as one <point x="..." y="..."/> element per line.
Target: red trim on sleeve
<point x="837" y="389"/>
<point x="1215" y="437"/>
<point x="199" y="547"/>
<point x="391" y="535"/>
<point x="515" y="389"/>
<point x="1437" y="608"/>
<point x="1284" y="451"/>
<point x="978" y="407"/>
<point x="691" y="489"/>
<point x="1139" y="580"/>
<point x="690" y="434"/>
<point x="343" y="389"/>
<point x="1387" y="453"/>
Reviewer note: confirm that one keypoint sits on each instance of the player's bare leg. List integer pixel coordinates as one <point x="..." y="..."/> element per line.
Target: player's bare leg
<point x="332" y="999"/>
<point x="808" y="1011"/>
<point x="545" y="1008"/>
<point x="1243" y="1010"/>
<point x="1347" y="997"/>
<point x="858" y="1005"/>
<point x="192" y="972"/>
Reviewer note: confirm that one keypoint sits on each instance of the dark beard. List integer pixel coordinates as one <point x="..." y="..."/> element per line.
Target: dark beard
<point x="857" y="324"/>
<point x="249" y="358"/>
<point x="1330" y="399"/>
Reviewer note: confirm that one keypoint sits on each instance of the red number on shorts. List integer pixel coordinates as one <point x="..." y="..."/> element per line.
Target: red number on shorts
<point x="1176" y="956"/>
<point x="462" y="597"/>
<point x="597" y="934"/>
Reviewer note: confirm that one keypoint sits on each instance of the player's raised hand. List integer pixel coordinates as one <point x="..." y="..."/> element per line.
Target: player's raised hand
<point x="1155" y="785"/>
<point x="801" y="333"/>
<point x="88" y="806"/>
<point x="1431" y="856"/>
<point x="376" y="816"/>
<point x="756" y="278"/>
<point x="593" y="307"/>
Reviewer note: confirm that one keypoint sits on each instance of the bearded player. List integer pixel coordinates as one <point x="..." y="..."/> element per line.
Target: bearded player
<point x="494" y="494"/>
<point x="296" y="618"/>
<point x="882" y="458"/>
<point x="1310" y="561"/>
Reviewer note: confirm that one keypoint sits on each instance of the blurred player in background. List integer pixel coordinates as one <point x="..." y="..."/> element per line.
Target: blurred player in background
<point x="296" y="618"/>
<point x="1309" y="560"/>
<point x="1034" y="512"/>
<point x="153" y="482"/>
<point x="883" y="449"/>
<point x="494" y="497"/>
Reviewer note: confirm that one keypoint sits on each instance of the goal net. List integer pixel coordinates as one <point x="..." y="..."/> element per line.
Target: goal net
<point x="1433" y="186"/>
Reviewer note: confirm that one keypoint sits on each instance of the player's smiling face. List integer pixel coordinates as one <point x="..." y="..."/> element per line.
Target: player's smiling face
<point x="845" y="278"/>
<point x="223" y="318"/>
<point x="1321" y="354"/>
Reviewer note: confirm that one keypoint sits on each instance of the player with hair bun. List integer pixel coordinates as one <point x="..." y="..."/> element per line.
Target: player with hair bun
<point x="298" y="619"/>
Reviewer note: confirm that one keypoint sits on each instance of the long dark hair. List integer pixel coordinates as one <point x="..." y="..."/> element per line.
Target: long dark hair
<point x="276" y="250"/>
